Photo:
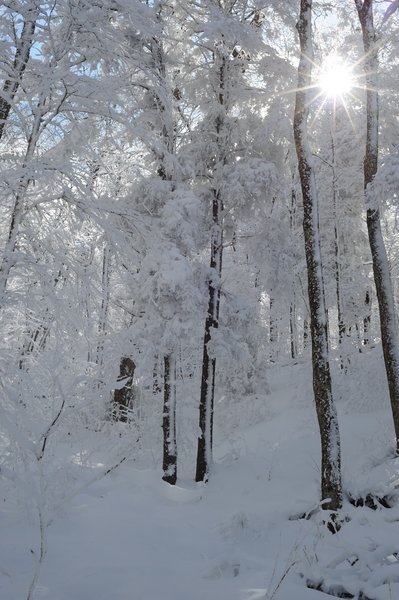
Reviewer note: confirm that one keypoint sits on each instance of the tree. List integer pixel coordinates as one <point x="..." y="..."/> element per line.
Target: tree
<point x="331" y="488"/>
<point x="23" y="45"/>
<point x="222" y="51"/>
<point x="207" y="395"/>
<point x="169" y="462"/>
<point x="381" y="268"/>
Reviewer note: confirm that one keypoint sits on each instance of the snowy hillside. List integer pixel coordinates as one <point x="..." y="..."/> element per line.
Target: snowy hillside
<point x="130" y="536"/>
<point x="199" y="267"/>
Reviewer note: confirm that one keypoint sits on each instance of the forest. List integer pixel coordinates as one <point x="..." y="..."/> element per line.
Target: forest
<point x="199" y="267"/>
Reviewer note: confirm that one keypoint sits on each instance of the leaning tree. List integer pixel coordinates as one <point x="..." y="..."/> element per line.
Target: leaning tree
<point x="331" y="488"/>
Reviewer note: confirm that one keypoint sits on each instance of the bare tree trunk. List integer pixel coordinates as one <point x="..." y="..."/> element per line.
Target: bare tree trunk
<point x="123" y="397"/>
<point x="293" y="328"/>
<point x="381" y="269"/>
<point x="205" y="440"/>
<point x="331" y="489"/>
<point x="273" y="331"/>
<point x="168" y="135"/>
<point x="207" y="394"/>
<point x="306" y="328"/>
<point x="169" y="464"/>
<point x="156" y="386"/>
<point x="293" y="316"/>
<point x="367" y="319"/>
<point x="7" y="261"/>
<point x="337" y="255"/>
<point x="102" y="322"/>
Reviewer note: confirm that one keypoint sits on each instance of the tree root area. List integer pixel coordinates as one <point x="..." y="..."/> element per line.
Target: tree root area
<point x="335" y="591"/>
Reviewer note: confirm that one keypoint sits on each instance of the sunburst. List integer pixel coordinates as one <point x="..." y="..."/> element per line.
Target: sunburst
<point x="335" y="78"/>
<point x="336" y="81"/>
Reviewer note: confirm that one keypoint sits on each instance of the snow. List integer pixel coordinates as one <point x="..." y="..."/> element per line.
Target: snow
<point x="125" y="125"/>
<point x="130" y="535"/>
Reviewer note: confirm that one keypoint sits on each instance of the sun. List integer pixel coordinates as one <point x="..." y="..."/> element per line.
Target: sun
<point x="335" y="79"/>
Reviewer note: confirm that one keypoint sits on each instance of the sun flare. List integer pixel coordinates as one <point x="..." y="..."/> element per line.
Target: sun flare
<point x="335" y="78"/>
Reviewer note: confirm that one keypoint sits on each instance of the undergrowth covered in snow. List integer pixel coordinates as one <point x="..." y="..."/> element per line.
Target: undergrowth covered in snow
<point x="254" y="531"/>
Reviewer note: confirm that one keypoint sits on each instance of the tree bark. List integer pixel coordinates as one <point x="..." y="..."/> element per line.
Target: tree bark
<point x="156" y="386"/>
<point x="168" y="135"/>
<point x="105" y="296"/>
<point x="273" y="331"/>
<point x="169" y="463"/>
<point x="123" y="397"/>
<point x="367" y="319"/>
<point x="293" y="315"/>
<point x="331" y="489"/>
<point x="293" y="329"/>
<point x="207" y="394"/>
<point x="337" y="253"/>
<point x="306" y="327"/>
<point x="381" y="269"/>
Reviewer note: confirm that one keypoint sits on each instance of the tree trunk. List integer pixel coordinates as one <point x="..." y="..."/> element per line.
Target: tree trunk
<point x="273" y="332"/>
<point x="293" y="316"/>
<point x="156" y="386"/>
<point x="123" y="397"/>
<point x="8" y="256"/>
<point x="22" y="52"/>
<point x="7" y="261"/>
<point x="293" y="329"/>
<point x="367" y="319"/>
<point x="381" y="269"/>
<point x="331" y="489"/>
<point x="337" y="255"/>
<point x="306" y="328"/>
<point x="164" y="171"/>
<point x="7" y="96"/>
<point x="105" y="291"/>
<point x="36" y="338"/>
<point x="169" y="464"/>
<point x="205" y="440"/>
<point x="207" y="394"/>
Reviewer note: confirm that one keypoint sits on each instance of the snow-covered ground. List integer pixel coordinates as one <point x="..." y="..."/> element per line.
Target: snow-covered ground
<point x="129" y="536"/>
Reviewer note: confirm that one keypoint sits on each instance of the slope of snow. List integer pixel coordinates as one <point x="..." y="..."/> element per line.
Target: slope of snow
<point x="132" y="537"/>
